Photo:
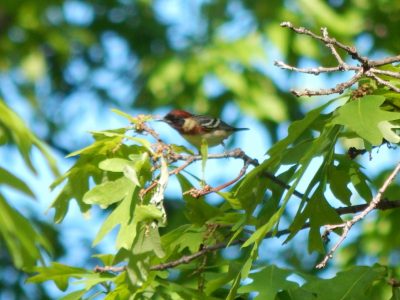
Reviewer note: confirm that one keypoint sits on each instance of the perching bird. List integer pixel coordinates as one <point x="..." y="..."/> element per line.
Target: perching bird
<point x="196" y="128"/>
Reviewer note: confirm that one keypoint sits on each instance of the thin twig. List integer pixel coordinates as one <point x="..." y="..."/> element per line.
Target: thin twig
<point x="114" y="269"/>
<point x="314" y="71"/>
<point x="347" y="225"/>
<point x="384" y="61"/>
<point x="188" y="258"/>
<point x="338" y="89"/>
<point x="388" y="73"/>
<point x="342" y="65"/>
<point x="383" y="82"/>
<point x="207" y="190"/>
<point x="366" y="67"/>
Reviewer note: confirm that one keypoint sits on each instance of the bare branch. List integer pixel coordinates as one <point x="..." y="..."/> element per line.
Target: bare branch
<point x="114" y="269"/>
<point x="388" y="73"/>
<point x="326" y="40"/>
<point x="342" y="65"/>
<point x="384" y="61"/>
<point x="207" y="190"/>
<point x="314" y="71"/>
<point x="347" y="225"/>
<point x="381" y="81"/>
<point x="366" y="66"/>
<point x="339" y="88"/>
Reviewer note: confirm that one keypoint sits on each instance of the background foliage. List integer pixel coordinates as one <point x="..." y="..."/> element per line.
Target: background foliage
<point x="64" y="63"/>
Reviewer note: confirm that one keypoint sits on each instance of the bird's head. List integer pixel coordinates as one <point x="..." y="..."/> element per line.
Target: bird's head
<point x="176" y="118"/>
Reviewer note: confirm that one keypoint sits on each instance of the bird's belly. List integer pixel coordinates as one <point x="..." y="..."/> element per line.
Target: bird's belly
<point x="213" y="139"/>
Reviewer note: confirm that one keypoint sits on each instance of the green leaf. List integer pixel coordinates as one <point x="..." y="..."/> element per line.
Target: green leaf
<point x="223" y="278"/>
<point x="365" y="117"/>
<point x="296" y="130"/>
<point x="268" y="282"/>
<point x="354" y="283"/>
<point x="106" y="259"/>
<point x="204" y="156"/>
<point x="108" y="192"/>
<point x="320" y="213"/>
<point x="138" y="268"/>
<point x="181" y="149"/>
<point x="148" y="240"/>
<point x="21" y="239"/>
<point x="86" y="169"/>
<point x="131" y="174"/>
<point x="198" y="211"/>
<point x="185" y="236"/>
<point x="16" y="132"/>
<point x="260" y="233"/>
<point x="123" y="114"/>
<point x="105" y="142"/>
<point x="295" y="294"/>
<point x="13" y="181"/>
<point x="122" y="214"/>
<point x="92" y="279"/>
<point x="359" y="181"/>
<point x="147" y="212"/>
<point x="76" y="295"/>
<point x="114" y="164"/>
<point x="338" y="182"/>
<point x="395" y="293"/>
<point x="346" y="23"/>
<point x="59" y="273"/>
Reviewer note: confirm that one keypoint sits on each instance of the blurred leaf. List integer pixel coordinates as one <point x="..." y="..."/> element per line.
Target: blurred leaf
<point x="347" y="23"/>
<point x="20" y="237"/>
<point x="17" y="133"/>
<point x="34" y="66"/>
<point x="268" y="282"/>
<point x="296" y="130"/>
<point x="186" y="236"/>
<point x="76" y="295"/>
<point x="13" y="181"/>
<point x="354" y="283"/>
<point x="59" y="273"/>
<point x="338" y="181"/>
<point x="223" y="279"/>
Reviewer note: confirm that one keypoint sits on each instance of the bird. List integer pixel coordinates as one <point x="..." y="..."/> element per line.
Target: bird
<point x="196" y="128"/>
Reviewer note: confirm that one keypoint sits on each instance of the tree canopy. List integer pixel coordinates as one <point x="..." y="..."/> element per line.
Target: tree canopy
<point x="314" y="212"/>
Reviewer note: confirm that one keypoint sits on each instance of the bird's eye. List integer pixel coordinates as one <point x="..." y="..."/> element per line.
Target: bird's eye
<point x="179" y="121"/>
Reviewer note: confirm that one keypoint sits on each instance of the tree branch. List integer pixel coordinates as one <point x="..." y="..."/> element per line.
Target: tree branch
<point x="347" y="225"/>
<point x="366" y="66"/>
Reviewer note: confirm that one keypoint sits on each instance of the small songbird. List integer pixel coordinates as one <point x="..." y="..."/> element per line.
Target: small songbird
<point x="196" y="128"/>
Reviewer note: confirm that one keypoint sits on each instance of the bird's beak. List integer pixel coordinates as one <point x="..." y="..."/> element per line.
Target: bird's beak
<point x="160" y="119"/>
<point x="164" y="120"/>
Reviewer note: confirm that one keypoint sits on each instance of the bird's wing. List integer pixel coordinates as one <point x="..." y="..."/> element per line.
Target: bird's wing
<point x="210" y="123"/>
